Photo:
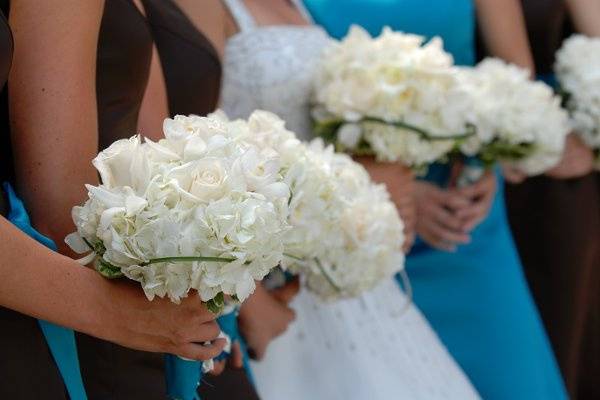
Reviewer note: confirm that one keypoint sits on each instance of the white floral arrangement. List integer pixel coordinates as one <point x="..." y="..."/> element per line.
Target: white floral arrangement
<point x="393" y="96"/>
<point x="518" y="121"/>
<point x="203" y="209"/>
<point x="577" y="70"/>
<point x="346" y="235"/>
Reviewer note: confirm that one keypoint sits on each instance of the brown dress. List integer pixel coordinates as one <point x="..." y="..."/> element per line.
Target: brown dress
<point x="24" y="354"/>
<point x="123" y="65"/>
<point x="556" y="225"/>
<point x="192" y="71"/>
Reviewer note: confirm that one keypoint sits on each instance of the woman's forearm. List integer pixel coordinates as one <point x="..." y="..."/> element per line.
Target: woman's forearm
<point x="46" y="285"/>
<point x="43" y="284"/>
<point x="586" y="16"/>
<point x="503" y="30"/>
<point x="52" y="100"/>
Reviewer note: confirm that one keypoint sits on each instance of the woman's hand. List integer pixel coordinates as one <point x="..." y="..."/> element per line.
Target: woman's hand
<point x="577" y="160"/>
<point x="400" y="183"/>
<point x="235" y="360"/>
<point x="478" y="198"/>
<point x="159" y="325"/>
<point x="46" y="285"/>
<point x="513" y="175"/>
<point x="437" y="222"/>
<point x="262" y="318"/>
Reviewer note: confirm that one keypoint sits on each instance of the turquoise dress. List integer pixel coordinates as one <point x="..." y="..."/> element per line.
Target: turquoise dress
<point x="477" y="298"/>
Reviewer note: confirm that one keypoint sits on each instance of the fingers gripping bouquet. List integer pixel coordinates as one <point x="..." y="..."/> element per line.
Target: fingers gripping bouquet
<point x="346" y="235"/>
<point x="203" y="210"/>
<point x="391" y="96"/>
<point x="577" y="70"/>
<point x="519" y="122"/>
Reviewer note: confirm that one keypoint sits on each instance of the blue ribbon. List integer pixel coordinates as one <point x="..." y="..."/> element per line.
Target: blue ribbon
<point x="184" y="377"/>
<point x="61" y="341"/>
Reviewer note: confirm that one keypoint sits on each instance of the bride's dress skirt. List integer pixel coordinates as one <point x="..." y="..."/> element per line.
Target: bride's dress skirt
<point x="375" y="347"/>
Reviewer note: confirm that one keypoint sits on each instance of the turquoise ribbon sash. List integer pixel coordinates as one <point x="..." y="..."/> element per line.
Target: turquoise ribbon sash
<point x="61" y="340"/>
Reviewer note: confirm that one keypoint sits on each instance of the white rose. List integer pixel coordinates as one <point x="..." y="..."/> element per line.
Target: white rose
<point x="203" y="180"/>
<point x="124" y="163"/>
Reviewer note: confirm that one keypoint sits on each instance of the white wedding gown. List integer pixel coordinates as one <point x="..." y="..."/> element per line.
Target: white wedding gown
<point x="376" y="347"/>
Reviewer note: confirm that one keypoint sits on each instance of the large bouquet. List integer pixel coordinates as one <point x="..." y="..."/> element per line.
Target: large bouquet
<point x="201" y="209"/>
<point x="518" y="121"/>
<point x="578" y="72"/>
<point x="392" y="96"/>
<point x="346" y="235"/>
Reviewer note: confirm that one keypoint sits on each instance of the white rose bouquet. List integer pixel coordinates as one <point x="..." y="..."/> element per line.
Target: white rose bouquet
<point x="578" y="73"/>
<point x="202" y="209"/>
<point x="392" y="96"/>
<point x="346" y="235"/>
<point x="518" y="121"/>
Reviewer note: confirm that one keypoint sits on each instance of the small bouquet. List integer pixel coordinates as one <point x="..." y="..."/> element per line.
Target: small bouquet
<point x="578" y="72"/>
<point x="346" y="235"/>
<point x="392" y="96"/>
<point x="518" y="121"/>
<point x="203" y="210"/>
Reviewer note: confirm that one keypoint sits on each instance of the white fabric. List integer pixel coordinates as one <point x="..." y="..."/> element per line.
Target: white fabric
<point x="271" y="68"/>
<point x="368" y="348"/>
<point x="241" y="15"/>
<point x="354" y="349"/>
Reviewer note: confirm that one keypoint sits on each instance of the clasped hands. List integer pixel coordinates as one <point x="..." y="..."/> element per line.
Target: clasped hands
<point x="446" y="217"/>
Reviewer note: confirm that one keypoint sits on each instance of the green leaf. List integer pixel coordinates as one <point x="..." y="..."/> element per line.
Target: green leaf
<point x="216" y="304"/>
<point x="108" y="270"/>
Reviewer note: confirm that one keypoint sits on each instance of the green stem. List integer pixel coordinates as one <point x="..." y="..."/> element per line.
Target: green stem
<point x="326" y="275"/>
<point x="422" y="132"/>
<point x="88" y="243"/>
<point x="294" y="257"/>
<point x="187" y="259"/>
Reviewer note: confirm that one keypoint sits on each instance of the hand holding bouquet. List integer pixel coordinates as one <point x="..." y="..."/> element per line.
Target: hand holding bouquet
<point x="203" y="210"/>
<point x="346" y="236"/>
<point x="519" y="122"/>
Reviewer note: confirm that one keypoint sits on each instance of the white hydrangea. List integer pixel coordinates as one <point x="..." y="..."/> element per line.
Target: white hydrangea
<point x="578" y="72"/>
<point x="355" y="229"/>
<point x="346" y="235"/>
<point x="518" y="121"/>
<point x="394" y="78"/>
<point x="204" y="190"/>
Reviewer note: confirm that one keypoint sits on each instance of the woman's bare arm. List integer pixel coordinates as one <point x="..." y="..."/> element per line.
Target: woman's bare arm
<point x="54" y="132"/>
<point x="43" y="284"/>
<point x="53" y="107"/>
<point x="503" y="30"/>
<point x="586" y="16"/>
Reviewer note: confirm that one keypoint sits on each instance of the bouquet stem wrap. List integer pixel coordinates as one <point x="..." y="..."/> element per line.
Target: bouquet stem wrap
<point x="472" y="171"/>
<point x="61" y="340"/>
<point x="184" y="376"/>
